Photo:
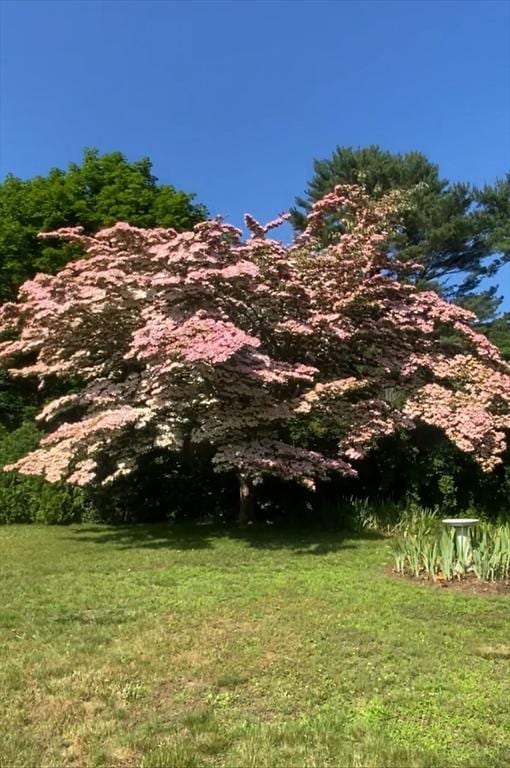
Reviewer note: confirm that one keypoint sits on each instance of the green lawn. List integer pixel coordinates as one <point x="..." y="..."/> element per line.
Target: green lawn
<point x="157" y="647"/>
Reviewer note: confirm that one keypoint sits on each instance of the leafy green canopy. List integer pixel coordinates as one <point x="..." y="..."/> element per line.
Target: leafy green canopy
<point x="458" y="233"/>
<point x="101" y="191"/>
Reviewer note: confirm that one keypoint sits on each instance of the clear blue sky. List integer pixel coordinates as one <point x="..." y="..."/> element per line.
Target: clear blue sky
<point x="233" y="100"/>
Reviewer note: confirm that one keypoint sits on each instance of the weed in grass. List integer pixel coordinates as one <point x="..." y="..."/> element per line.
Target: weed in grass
<point x="230" y="680"/>
<point x="171" y="754"/>
<point x="198" y="718"/>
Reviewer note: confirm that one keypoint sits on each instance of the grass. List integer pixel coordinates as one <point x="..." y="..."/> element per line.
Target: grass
<point x="173" y="648"/>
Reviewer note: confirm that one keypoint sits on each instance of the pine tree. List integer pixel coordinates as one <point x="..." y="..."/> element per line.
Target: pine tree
<point x="457" y="233"/>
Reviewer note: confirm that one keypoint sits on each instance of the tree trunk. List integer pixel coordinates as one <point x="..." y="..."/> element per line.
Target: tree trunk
<point x="246" y="503"/>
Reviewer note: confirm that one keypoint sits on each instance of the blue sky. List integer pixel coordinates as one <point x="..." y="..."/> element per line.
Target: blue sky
<point x="234" y="100"/>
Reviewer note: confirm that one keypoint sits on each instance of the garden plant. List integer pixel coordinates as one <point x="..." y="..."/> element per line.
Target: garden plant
<point x="426" y="548"/>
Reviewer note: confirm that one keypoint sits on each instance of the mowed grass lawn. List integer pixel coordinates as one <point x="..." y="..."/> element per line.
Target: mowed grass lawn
<point x="154" y="646"/>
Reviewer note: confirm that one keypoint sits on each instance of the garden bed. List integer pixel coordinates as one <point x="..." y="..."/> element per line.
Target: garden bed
<point x="469" y="584"/>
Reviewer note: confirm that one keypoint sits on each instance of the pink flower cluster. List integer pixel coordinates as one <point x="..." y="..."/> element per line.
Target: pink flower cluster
<point x="252" y="347"/>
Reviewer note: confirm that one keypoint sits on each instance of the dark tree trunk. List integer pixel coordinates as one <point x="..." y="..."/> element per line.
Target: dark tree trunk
<point x="246" y="502"/>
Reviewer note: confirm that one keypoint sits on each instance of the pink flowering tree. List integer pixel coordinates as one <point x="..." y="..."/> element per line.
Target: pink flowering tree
<point x="284" y="360"/>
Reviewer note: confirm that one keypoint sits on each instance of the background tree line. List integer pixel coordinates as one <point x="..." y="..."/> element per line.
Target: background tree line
<point x="457" y="233"/>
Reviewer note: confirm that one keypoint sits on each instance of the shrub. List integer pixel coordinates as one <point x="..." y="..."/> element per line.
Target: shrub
<point x="31" y="499"/>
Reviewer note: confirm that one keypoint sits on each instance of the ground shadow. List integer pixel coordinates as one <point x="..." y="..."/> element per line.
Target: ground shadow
<point x="193" y="536"/>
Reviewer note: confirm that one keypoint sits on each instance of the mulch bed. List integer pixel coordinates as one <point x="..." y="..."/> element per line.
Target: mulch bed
<point x="469" y="584"/>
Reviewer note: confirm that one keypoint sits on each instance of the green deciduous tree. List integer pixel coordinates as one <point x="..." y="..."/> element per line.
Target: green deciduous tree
<point x="100" y="191"/>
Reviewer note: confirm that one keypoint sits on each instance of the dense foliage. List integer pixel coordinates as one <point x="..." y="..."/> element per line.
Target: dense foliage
<point x="274" y="360"/>
<point x="100" y="191"/>
<point x="461" y="235"/>
<point x="30" y="499"/>
<point x="498" y="331"/>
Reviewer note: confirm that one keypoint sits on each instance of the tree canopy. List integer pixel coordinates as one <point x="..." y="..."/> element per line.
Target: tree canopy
<point x="100" y="191"/>
<point x="498" y="331"/>
<point x="457" y="233"/>
<point x="279" y="360"/>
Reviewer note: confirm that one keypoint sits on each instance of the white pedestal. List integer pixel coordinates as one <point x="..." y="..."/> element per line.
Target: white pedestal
<point x="461" y="527"/>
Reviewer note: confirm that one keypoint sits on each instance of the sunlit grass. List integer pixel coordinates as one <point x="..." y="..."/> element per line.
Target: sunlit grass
<point x="184" y="647"/>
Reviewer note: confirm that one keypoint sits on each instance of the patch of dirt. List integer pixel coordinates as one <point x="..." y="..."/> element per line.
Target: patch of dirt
<point x="468" y="585"/>
<point x="501" y="652"/>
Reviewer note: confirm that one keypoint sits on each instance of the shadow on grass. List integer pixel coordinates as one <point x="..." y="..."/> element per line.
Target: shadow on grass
<point x="186" y="536"/>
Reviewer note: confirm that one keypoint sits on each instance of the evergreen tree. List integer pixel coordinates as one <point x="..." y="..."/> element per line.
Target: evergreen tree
<point x="459" y="234"/>
<point x="498" y="331"/>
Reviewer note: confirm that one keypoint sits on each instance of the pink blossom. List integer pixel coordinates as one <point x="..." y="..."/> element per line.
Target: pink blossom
<point x="205" y="338"/>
